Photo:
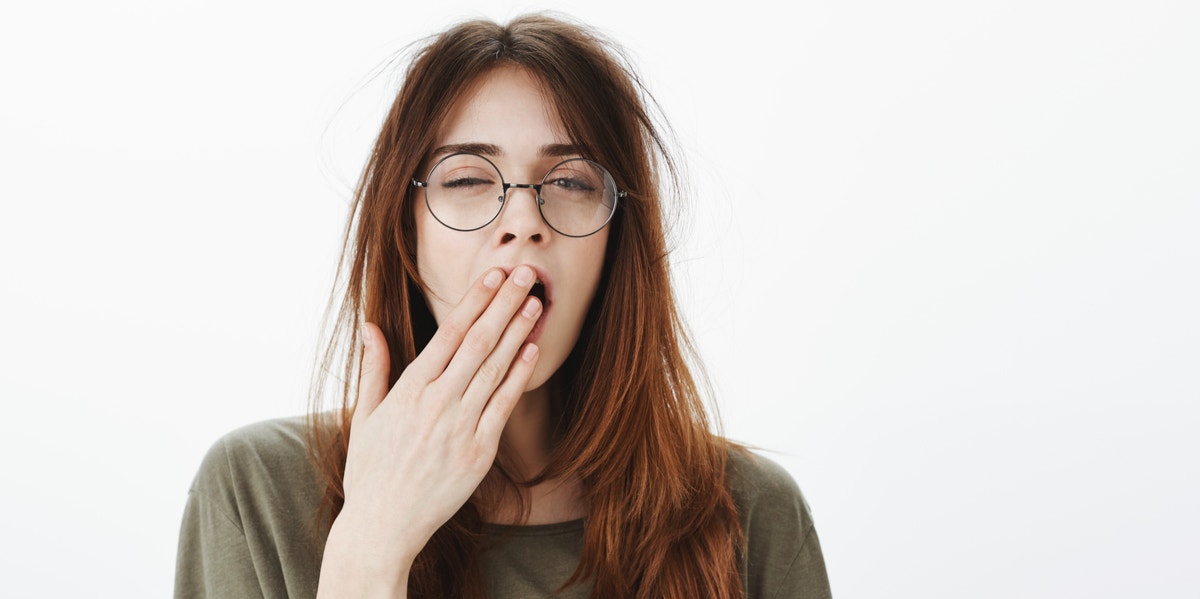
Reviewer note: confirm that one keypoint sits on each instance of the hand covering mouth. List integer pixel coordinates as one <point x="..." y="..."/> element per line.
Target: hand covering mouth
<point x="543" y="286"/>
<point x="543" y="290"/>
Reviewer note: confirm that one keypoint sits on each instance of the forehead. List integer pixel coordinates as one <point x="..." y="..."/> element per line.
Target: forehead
<point x="505" y="108"/>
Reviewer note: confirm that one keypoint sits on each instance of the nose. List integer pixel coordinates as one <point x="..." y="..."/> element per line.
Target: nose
<point x="520" y="218"/>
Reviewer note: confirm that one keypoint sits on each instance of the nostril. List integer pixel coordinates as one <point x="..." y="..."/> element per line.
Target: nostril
<point x="507" y="237"/>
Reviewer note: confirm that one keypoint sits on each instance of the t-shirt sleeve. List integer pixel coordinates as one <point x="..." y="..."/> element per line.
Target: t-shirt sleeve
<point x="806" y="576"/>
<point x="214" y="558"/>
<point x="251" y="526"/>
<point x="782" y="557"/>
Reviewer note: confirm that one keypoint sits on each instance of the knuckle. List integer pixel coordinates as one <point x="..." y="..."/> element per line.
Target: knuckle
<point x="477" y="341"/>
<point x="491" y="370"/>
<point x="405" y="388"/>
<point x="452" y="330"/>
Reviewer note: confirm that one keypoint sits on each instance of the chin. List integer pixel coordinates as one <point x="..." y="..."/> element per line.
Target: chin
<point x="541" y="374"/>
<point x="556" y="344"/>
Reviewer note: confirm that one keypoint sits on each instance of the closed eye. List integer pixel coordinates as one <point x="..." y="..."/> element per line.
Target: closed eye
<point x="464" y="182"/>
<point x="571" y="184"/>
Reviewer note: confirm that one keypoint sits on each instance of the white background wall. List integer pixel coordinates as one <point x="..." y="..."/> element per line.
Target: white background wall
<point x="943" y="258"/>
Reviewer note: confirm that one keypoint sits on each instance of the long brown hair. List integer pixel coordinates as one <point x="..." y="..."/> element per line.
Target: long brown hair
<point x="631" y="422"/>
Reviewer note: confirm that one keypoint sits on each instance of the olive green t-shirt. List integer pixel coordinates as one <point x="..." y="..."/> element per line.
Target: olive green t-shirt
<point x="250" y="529"/>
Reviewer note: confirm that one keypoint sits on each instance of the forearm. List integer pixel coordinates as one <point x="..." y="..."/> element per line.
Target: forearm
<point x="359" y="563"/>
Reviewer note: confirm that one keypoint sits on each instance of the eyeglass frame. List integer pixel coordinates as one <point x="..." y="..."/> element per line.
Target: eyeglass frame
<point x="504" y="187"/>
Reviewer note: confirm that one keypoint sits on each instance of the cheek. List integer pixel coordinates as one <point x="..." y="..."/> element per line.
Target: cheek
<point x="598" y="250"/>
<point x="591" y="260"/>
<point x="441" y="265"/>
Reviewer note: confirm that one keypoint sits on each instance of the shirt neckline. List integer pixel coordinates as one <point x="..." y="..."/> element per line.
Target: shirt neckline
<point x="529" y="530"/>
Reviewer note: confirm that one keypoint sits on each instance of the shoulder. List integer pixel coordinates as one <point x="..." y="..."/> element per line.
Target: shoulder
<point x="251" y="526"/>
<point x="257" y="463"/>
<point x="276" y="439"/>
<point x="762" y="488"/>
<point x="780" y="555"/>
<point x="266" y="445"/>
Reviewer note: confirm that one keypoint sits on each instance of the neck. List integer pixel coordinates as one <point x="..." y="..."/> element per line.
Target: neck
<point x="527" y="432"/>
<point x="527" y="438"/>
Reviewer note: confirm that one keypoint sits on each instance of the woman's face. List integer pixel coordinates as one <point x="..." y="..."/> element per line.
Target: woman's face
<point x="505" y="118"/>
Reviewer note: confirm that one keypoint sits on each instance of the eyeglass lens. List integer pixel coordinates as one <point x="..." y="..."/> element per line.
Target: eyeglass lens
<point x="466" y="192"/>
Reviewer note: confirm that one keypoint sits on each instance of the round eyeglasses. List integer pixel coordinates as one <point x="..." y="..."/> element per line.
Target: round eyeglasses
<point x="466" y="192"/>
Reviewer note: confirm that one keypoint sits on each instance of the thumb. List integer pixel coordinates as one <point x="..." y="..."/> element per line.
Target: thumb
<point x="373" y="375"/>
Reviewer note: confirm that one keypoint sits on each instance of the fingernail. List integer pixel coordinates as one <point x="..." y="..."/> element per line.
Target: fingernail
<point x="532" y="307"/>
<point x="530" y="352"/>
<point x="523" y="275"/>
<point x="493" y="279"/>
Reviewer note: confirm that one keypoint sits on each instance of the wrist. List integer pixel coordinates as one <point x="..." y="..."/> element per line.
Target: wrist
<point x="390" y="541"/>
<point x="359" y="561"/>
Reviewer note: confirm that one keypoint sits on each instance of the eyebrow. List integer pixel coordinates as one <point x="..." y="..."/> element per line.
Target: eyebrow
<point x="493" y="150"/>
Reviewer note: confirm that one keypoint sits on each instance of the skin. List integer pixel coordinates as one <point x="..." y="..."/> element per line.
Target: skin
<point x="419" y="450"/>
<point x="507" y="110"/>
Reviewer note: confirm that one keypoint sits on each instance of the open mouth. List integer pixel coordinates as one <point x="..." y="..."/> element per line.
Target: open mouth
<point x="539" y="291"/>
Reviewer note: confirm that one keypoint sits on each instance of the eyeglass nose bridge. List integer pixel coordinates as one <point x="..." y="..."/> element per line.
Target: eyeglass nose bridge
<point x="536" y="187"/>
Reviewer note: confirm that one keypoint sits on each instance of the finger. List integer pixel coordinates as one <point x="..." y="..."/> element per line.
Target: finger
<point x="500" y="406"/>
<point x="450" y="333"/>
<point x="496" y="366"/>
<point x="481" y="339"/>
<point x="373" y="375"/>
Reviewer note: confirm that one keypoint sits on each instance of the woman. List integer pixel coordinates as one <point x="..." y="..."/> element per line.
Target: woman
<point x="524" y="421"/>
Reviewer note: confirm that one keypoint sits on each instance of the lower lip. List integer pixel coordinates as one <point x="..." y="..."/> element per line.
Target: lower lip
<point x="536" y="332"/>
